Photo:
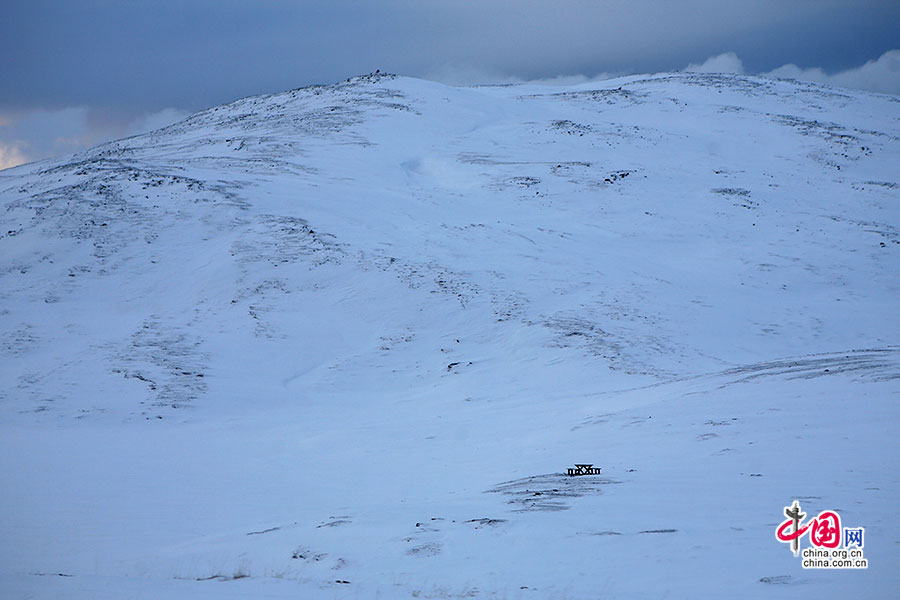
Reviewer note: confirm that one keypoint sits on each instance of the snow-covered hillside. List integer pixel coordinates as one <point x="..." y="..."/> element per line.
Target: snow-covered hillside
<point x="344" y="342"/>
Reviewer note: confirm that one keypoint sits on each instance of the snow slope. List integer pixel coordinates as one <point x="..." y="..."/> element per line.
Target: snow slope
<point x="344" y="342"/>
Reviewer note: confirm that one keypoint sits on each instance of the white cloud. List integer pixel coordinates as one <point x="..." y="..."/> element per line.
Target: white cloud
<point x="37" y="134"/>
<point x="723" y="63"/>
<point x="880" y="75"/>
<point x="11" y="156"/>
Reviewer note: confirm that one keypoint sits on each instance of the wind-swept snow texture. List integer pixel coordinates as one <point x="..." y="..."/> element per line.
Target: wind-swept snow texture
<point x="345" y="342"/>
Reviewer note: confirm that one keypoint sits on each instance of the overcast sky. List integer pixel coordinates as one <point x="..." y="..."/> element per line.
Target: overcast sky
<point x="76" y="73"/>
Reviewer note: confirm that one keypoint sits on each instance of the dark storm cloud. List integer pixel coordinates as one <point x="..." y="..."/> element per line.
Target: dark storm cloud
<point x="141" y="56"/>
<point x="154" y="54"/>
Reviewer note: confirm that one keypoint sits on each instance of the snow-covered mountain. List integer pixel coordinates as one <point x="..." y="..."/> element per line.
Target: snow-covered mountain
<point x="345" y="341"/>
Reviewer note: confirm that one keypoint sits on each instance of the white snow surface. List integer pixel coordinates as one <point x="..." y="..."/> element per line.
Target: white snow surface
<point x="344" y="342"/>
